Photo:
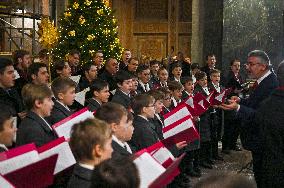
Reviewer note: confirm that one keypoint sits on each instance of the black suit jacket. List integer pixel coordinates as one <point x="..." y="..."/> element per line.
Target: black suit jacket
<point x="144" y="134"/>
<point x="58" y="113"/>
<point x="81" y="177"/>
<point x="110" y="79"/>
<point x="92" y="104"/>
<point x="118" y="150"/>
<point x="121" y="98"/>
<point x="2" y="149"/>
<point x="248" y="107"/>
<point x="140" y="88"/>
<point x="12" y="99"/>
<point x="34" y="129"/>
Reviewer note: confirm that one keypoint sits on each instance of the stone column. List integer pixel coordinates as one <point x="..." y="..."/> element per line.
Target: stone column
<point x="45" y="7"/>
<point x="197" y="32"/>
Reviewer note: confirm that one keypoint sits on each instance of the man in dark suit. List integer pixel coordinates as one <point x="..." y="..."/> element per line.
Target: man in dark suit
<point x="258" y="67"/>
<point x="34" y="128"/>
<point x="272" y="135"/>
<point x="211" y="62"/>
<point x="109" y="73"/>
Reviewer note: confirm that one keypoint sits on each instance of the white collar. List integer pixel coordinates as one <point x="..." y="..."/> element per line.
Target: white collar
<point x="264" y="76"/>
<point x="143" y="117"/>
<point x="45" y="122"/>
<point x="189" y="94"/>
<point x="90" y="167"/>
<point x="114" y="138"/>
<point x="4" y="147"/>
<point x="63" y="105"/>
<point x="178" y="80"/>
<point x="124" y="92"/>
<point x="97" y="101"/>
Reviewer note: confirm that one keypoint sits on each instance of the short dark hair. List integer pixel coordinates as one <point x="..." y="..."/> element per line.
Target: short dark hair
<point x="174" y="85"/>
<point x="225" y="180"/>
<point x="186" y="79"/>
<point x="87" y="66"/>
<point x="175" y="65"/>
<point x="33" y="92"/>
<point x="194" y="66"/>
<point x="59" y="65"/>
<point x="87" y="134"/>
<point x="141" y="68"/>
<point x="140" y="101"/>
<point x="157" y="94"/>
<point x="19" y="54"/>
<point x="165" y="90"/>
<point x="74" y="51"/>
<point x="234" y="60"/>
<point x="111" y="112"/>
<point x="116" y="172"/>
<point x="154" y="62"/>
<point x="161" y="69"/>
<point x="4" y="116"/>
<point x="200" y="75"/>
<point x="214" y="71"/>
<point x="96" y="85"/>
<point x="121" y="76"/>
<point x="34" y="68"/>
<point x="4" y="62"/>
<point x="210" y="55"/>
<point x="61" y="85"/>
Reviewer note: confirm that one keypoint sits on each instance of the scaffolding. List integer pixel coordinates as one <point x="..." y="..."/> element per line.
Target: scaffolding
<point x="20" y="35"/>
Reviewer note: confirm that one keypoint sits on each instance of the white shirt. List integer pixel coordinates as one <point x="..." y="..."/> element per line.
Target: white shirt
<point x="217" y="87"/>
<point x="122" y="144"/>
<point x="205" y="89"/>
<point x="4" y="147"/>
<point x="46" y="122"/>
<point x="176" y="79"/>
<point x="90" y="167"/>
<point x="145" y="87"/>
<point x="264" y="76"/>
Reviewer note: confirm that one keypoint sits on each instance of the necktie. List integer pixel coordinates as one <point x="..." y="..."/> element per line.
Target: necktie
<point x="145" y="86"/>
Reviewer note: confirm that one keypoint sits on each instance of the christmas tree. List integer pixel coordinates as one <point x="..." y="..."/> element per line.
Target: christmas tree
<point x="88" y="26"/>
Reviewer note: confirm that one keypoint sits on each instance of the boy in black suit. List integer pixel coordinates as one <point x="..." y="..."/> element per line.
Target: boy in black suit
<point x="163" y="76"/>
<point x="99" y="92"/>
<point x="205" y="132"/>
<point x="62" y="69"/>
<point x="176" y="72"/>
<point x="167" y="100"/>
<point x="144" y="75"/>
<point x="90" y="143"/>
<point x="122" y="94"/>
<point x="34" y="128"/>
<point x="64" y="93"/>
<point x="7" y="129"/>
<point x="176" y="89"/>
<point x="116" y="117"/>
<point x="188" y="86"/>
<point x="216" y="114"/>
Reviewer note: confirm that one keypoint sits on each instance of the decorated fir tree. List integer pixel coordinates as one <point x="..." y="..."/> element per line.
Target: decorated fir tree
<point x="88" y="26"/>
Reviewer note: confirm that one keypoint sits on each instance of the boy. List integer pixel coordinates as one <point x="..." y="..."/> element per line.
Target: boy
<point x="144" y="76"/>
<point x="144" y="134"/>
<point x="90" y="74"/>
<point x="133" y="91"/>
<point x="7" y="129"/>
<point x="116" y="116"/>
<point x="64" y="92"/>
<point x="90" y="143"/>
<point x="99" y="92"/>
<point x="122" y="94"/>
<point x="188" y="85"/>
<point x="34" y="128"/>
<point x="38" y="74"/>
<point x="163" y="76"/>
<point x="216" y="114"/>
<point x="154" y="67"/>
<point x="166" y="101"/>
<point x="176" y="71"/>
<point x="62" y="69"/>
<point x="194" y="69"/>
<point x="205" y="133"/>
<point x="176" y="89"/>
<point x="132" y="66"/>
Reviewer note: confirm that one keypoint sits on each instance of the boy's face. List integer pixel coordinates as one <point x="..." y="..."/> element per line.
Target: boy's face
<point x="92" y="73"/>
<point x="126" y="86"/>
<point x="236" y="67"/>
<point x="189" y="87"/>
<point x="215" y="78"/>
<point x="8" y="132"/>
<point x="154" y="69"/>
<point x="124" y="130"/>
<point x="163" y="75"/>
<point x="134" y="84"/>
<point x="167" y="101"/>
<point x="69" y="96"/>
<point x="66" y="71"/>
<point x="194" y="71"/>
<point x="177" y="72"/>
<point x="7" y="79"/>
<point x="126" y="56"/>
<point x="26" y="61"/>
<point x="150" y="110"/>
<point x="46" y="106"/>
<point x="102" y="95"/>
<point x="177" y="94"/>
<point x="144" y="76"/>
<point x="133" y="65"/>
<point x="42" y="76"/>
<point x="202" y="82"/>
<point x="158" y="106"/>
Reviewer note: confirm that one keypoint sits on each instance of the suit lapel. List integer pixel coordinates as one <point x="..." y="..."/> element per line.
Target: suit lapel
<point x="61" y="108"/>
<point x="39" y="120"/>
